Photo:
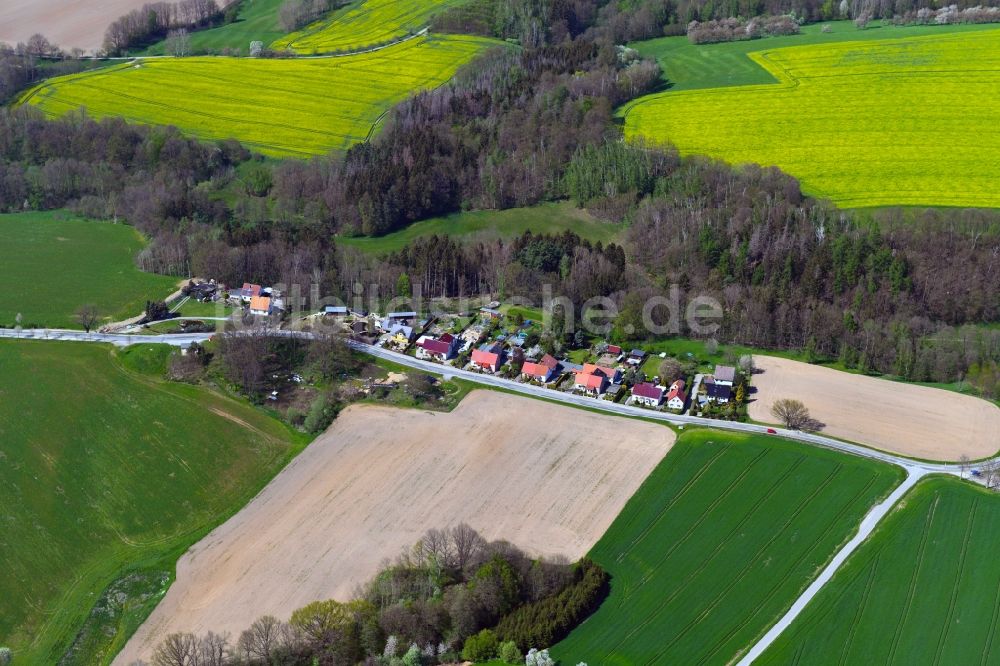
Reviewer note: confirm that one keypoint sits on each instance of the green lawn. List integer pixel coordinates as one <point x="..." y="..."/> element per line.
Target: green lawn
<point x="490" y="225"/>
<point x="108" y="474"/>
<point x="688" y="66"/>
<point x="257" y="21"/>
<point x="54" y="263"/>
<point x="716" y="545"/>
<point x="925" y="588"/>
<point x="901" y="150"/>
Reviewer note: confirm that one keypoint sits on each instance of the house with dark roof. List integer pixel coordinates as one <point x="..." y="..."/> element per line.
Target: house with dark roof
<point x="716" y="392"/>
<point x="636" y="357"/>
<point x="647" y="394"/>
<point x="437" y="349"/>
<point x="725" y="375"/>
<point x="408" y="318"/>
<point x="401" y="335"/>
<point x="676" y="397"/>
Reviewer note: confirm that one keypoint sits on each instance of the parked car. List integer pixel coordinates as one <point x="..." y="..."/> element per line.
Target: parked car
<point x="772" y="431"/>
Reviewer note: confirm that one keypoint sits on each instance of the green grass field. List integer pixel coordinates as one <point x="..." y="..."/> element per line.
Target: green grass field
<point x="717" y="543"/>
<point x="490" y="225"/>
<point x="55" y="263"/>
<point x="257" y="21"/>
<point x="892" y="122"/>
<point x="363" y="24"/>
<point x="107" y="470"/>
<point x="924" y="589"/>
<point x="279" y="107"/>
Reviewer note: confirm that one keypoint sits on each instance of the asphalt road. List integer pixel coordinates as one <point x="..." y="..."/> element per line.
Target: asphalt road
<point x="915" y="470"/>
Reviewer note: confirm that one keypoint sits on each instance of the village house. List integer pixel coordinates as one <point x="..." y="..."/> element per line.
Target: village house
<point x="676" y="397"/>
<point x="260" y="306"/>
<point x="590" y="383"/>
<point x="636" y="357"/>
<point x="543" y="371"/>
<point x="613" y="375"/>
<point x="437" y="349"/>
<point x="647" y="394"/>
<point x="725" y="375"/>
<point x="203" y="291"/>
<point x="491" y="313"/>
<point x="488" y="357"/>
<point x="401" y="335"/>
<point x="716" y="391"/>
<point x="249" y="291"/>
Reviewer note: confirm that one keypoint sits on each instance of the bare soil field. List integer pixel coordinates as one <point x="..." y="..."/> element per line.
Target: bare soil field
<point x="915" y="421"/>
<point x="68" y="23"/>
<point x="550" y="479"/>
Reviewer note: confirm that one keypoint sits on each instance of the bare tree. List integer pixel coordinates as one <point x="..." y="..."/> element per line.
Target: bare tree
<point x="176" y="650"/>
<point x="178" y="43"/>
<point x="260" y="640"/>
<point x="87" y="316"/>
<point x="963" y="464"/>
<point x="466" y="544"/>
<point x="991" y="473"/>
<point x="213" y="650"/>
<point x="794" y="415"/>
<point x="670" y="369"/>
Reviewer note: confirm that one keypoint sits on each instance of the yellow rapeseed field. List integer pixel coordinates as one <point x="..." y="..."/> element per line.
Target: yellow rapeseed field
<point x="292" y="107"/>
<point x="367" y="24"/>
<point x="913" y="121"/>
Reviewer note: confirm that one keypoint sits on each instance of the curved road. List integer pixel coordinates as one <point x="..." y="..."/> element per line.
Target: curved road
<point x="915" y="469"/>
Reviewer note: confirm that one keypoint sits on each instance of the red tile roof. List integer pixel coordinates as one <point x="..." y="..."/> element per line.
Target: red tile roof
<point x="251" y="289"/>
<point x="260" y="303"/>
<point x="549" y="361"/>
<point x="591" y="381"/>
<point x="593" y="369"/>
<point x="614" y="349"/>
<point x="677" y="392"/>
<point x="436" y="346"/>
<point x="486" y="359"/>
<point x="647" y="390"/>
<point x="537" y="370"/>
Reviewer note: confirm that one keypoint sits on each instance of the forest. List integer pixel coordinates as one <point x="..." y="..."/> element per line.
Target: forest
<point x="897" y="291"/>
<point x="454" y="596"/>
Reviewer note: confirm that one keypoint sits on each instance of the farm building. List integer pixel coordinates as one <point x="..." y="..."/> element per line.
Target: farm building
<point x="676" y="397"/>
<point x="437" y="349"/>
<point x="488" y="357"/>
<point x="647" y="394"/>
<point x="398" y="318"/>
<point x="335" y="311"/>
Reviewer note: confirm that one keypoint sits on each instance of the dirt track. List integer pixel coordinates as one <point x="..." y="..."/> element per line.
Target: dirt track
<point x="550" y="479"/>
<point x="915" y="421"/>
<point x="68" y="23"/>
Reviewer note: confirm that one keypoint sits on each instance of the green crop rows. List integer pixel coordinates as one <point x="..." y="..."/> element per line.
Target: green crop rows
<point x="717" y="544"/>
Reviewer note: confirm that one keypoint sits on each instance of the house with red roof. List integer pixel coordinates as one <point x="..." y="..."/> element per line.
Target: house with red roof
<point x="437" y="349"/>
<point x="488" y="357"/>
<point x="647" y="394"/>
<point x="543" y="371"/>
<point x="260" y="306"/>
<point x="249" y="291"/>
<point x="613" y="375"/>
<point x="676" y="397"/>
<point x="590" y="383"/>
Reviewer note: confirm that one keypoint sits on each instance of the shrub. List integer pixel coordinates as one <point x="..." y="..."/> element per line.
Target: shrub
<point x="509" y="653"/>
<point x="481" y="646"/>
<point x="6" y="656"/>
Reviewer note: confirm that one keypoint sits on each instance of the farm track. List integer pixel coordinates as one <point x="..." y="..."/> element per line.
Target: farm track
<point x="915" y="469"/>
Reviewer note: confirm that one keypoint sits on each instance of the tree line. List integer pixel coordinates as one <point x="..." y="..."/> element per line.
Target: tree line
<point x="453" y="595"/>
<point x="153" y="21"/>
